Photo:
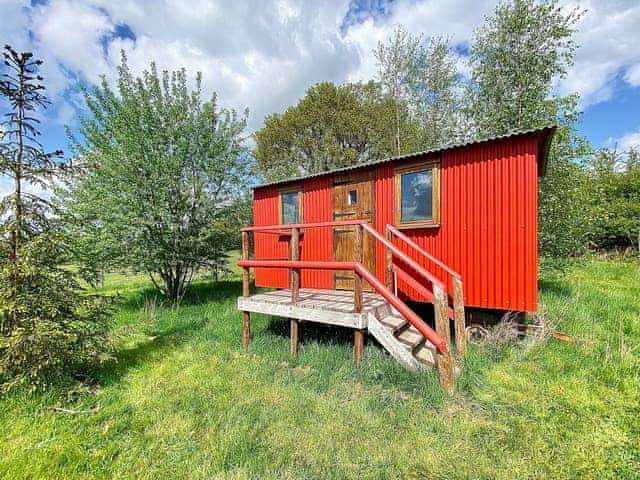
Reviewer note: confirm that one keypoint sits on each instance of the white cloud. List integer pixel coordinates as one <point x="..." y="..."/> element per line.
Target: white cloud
<point x="633" y="75"/>
<point x="452" y="19"/>
<point x="608" y="36"/>
<point x="265" y="54"/>
<point x="6" y="186"/>
<point x="627" y="141"/>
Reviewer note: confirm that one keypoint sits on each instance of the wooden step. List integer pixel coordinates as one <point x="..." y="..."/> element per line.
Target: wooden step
<point x="393" y="322"/>
<point x="410" y="337"/>
<point x="425" y="354"/>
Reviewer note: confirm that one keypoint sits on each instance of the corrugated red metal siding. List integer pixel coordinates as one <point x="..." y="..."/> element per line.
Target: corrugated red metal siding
<point x="268" y="246"/>
<point x="317" y="243"/>
<point x="488" y="220"/>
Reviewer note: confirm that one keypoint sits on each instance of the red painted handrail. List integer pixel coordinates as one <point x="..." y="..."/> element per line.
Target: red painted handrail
<point x="418" y="248"/>
<point x="289" y="226"/>
<point x="413" y="283"/>
<point x="404" y="257"/>
<point x="308" y="264"/>
<point x="399" y="305"/>
<point x="420" y="325"/>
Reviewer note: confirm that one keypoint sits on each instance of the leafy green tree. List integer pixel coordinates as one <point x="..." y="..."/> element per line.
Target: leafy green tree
<point x="163" y="168"/>
<point x="516" y="56"/>
<point x="398" y="63"/>
<point x="436" y="95"/>
<point x="422" y="79"/>
<point x="331" y="127"/>
<point x="22" y="157"/>
<point x="615" y="181"/>
<point x="48" y="328"/>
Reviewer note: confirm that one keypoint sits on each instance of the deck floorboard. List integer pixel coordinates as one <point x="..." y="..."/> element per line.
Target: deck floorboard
<point x="334" y="307"/>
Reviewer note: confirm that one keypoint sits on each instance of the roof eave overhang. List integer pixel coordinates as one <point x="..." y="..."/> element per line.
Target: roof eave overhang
<point x="544" y="136"/>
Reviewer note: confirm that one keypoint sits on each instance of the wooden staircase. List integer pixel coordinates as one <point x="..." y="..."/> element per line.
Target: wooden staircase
<point x="382" y="313"/>
<point x="402" y="340"/>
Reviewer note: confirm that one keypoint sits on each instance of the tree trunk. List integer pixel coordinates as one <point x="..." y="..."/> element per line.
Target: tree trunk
<point x="17" y="172"/>
<point x="176" y="279"/>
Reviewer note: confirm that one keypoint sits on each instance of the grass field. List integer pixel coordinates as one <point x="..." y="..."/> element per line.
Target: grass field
<point x="183" y="400"/>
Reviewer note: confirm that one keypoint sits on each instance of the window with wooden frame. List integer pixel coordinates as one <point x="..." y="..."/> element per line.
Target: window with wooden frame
<point x="417" y="192"/>
<point x="290" y="205"/>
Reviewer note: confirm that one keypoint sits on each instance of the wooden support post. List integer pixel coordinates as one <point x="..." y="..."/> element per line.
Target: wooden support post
<point x="246" y="316"/>
<point x="294" y="336"/>
<point x="245" y="270"/>
<point x="358" y="335"/>
<point x="358" y="347"/>
<point x="294" y="254"/>
<point x="389" y="263"/>
<point x="357" y="287"/>
<point x="246" y="329"/>
<point x="458" y="313"/>
<point x="445" y="362"/>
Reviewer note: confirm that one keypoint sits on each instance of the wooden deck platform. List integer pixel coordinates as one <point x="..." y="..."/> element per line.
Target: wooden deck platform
<point x="333" y="307"/>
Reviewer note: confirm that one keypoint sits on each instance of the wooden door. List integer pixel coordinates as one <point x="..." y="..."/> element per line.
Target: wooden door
<point x="352" y="200"/>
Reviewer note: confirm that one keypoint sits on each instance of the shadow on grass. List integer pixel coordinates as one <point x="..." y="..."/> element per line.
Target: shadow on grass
<point x="199" y="293"/>
<point x="556" y="286"/>
<point x="127" y="359"/>
<point x="170" y="333"/>
<point x="209" y="291"/>
<point x="311" y="332"/>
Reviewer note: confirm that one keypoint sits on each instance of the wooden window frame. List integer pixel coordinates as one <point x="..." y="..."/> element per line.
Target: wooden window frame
<point x="434" y="166"/>
<point x="291" y="189"/>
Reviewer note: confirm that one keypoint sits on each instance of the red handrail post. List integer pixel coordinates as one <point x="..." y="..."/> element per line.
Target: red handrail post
<point x="445" y="362"/>
<point x="246" y="316"/>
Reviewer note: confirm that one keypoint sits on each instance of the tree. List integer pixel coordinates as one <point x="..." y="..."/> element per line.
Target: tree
<point x="48" y="328"/>
<point x="398" y="62"/>
<point x="516" y="56"/>
<point x="437" y="96"/>
<point x="163" y="170"/>
<point x="422" y="79"/>
<point x="22" y="157"/>
<point x="331" y="127"/>
<point x="615" y="181"/>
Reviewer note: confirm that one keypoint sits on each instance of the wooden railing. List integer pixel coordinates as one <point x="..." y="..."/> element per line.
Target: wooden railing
<point x="457" y="314"/>
<point x="440" y="338"/>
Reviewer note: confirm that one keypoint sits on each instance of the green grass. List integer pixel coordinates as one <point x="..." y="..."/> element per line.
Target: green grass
<point x="183" y="400"/>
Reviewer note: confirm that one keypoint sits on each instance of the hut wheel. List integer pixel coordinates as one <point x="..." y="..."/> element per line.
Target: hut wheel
<point x="476" y="333"/>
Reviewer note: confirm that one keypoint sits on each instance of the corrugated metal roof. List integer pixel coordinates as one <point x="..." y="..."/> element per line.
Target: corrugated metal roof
<point x="546" y="134"/>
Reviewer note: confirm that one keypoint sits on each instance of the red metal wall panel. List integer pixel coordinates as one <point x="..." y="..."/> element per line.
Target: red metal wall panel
<point x="268" y="246"/>
<point x="317" y="243"/>
<point x="488" y="224"/>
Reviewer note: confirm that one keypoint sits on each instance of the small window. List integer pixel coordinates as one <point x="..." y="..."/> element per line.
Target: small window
<point x="290" y="206"/>
<point x="418" y="195"/>
<point x="352" y="197"/>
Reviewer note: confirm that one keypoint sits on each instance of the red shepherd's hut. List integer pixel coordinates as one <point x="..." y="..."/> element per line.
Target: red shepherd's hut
<point x="465" y="211"/>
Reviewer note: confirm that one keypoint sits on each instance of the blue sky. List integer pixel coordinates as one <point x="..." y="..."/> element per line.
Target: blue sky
<point x="264" y="54"/>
